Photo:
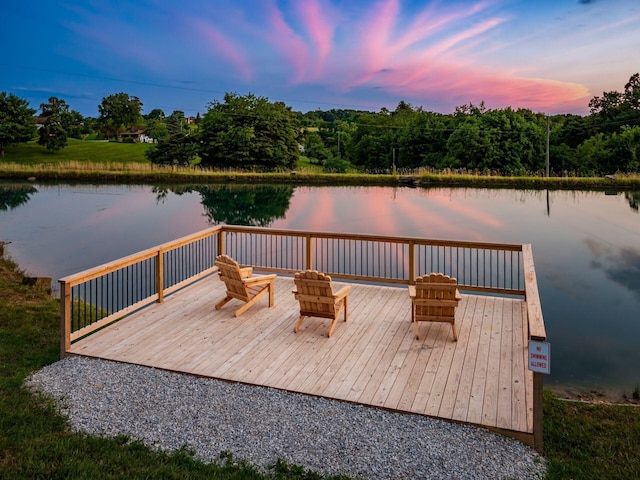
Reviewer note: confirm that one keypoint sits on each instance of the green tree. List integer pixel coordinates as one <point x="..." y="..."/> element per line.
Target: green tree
<point x="614" y="109"/>
<point x="469" y="145"/>
<point x="156" y="129"/>
<point x="52" y="134"/>
<point x="73" y="123"/>
<point x="177" y="149"/>
<point x="118" y="112"/>
<point x="501" y="140"/>
<point x="624" y="150"/>
<point x="423" y="143"/>
<point x="249" y="132"/>
<point x="155" y="114"/>
<point x="16" y="121"/>
<point x="175" y="122"/>
<point x="315" y="149"/>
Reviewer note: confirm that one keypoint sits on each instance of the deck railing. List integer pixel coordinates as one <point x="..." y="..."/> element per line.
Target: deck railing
<point x="96" y="297"/>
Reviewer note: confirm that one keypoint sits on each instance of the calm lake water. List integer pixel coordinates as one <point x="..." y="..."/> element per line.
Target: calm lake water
<point x="586" y="245"/>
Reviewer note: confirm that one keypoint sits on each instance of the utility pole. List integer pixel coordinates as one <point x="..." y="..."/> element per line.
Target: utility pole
<point x="394" y="159"/>
<point x="547" y="171"/>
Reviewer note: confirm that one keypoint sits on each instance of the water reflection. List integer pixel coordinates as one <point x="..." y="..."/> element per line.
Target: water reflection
<point x="634" y="200"/>
<point x="12" y="196"/>
<point x="255" y="205"/>
<point x="619" y="265"/>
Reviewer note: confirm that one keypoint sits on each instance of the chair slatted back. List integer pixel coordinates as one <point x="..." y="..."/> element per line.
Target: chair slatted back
<point x="230" y="274"/>
<point x="315" y="294"/>
<point x="436" y="298"/>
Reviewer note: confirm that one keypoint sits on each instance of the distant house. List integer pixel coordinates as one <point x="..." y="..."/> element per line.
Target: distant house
<point x="136" y="133"/>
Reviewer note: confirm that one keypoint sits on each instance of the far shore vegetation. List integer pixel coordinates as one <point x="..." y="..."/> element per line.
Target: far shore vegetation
<point x="582" y="440"/>
<point x="96" y="161"/>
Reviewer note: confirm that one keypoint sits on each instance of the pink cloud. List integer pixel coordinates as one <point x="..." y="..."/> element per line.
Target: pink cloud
<point x="446" y="71"/>
<point x="288" y="42"/>
<point x="224" y="46"/>
<point x="320" y="30"/>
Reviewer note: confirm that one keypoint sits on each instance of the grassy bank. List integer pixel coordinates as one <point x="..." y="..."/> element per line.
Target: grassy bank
<point x="582" y="441"/>
<point x="90" y="161"/>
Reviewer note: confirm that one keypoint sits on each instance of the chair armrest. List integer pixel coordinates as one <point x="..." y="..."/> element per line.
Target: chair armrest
<point x="246" y="272"/>
<point x="458" y="296"/>
<point x="259" y="279"/>
<point x="343" y="292"/>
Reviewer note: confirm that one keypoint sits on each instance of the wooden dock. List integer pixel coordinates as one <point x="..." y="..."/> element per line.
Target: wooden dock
<point x="373" y="359"/>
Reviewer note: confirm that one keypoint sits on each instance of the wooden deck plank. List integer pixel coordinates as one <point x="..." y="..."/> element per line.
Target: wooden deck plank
<point x="528" y="374"/>
<point x="435" y="378"/>
<point x="341" y="351"/>
<point x="518" y="402"/>
<point x="384" y="371"/>
<point x="343" y="385"/>
<point x="364" y="366"/>
<point x="504" y="374"/>
<point x="467" y="360"/>
<point x="447" y="380"/>
<point x="373" y="359"/>
<point x="479" y="379"/>
<point x="490" y="397"/>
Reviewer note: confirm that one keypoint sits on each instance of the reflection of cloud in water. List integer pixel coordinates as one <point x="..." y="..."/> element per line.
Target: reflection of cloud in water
<point x="621" y="266"/>
<point x="564" y="282"/>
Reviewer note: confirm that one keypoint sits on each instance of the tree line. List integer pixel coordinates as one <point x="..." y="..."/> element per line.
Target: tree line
<point x="248" y="132"/>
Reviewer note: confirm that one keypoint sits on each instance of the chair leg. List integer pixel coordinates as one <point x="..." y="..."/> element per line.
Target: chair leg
<point x="332" y="326"/>
<point x="298" y="323"/>
<point x="346" y="306"/>
<point x="272" y="288"/>
<point x="455" y="335"/>
<point x="417" y="329"/>
<point x="221" y="303"/>
<point x="245" y="307"/>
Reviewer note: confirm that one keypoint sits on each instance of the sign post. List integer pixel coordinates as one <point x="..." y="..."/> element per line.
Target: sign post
<point x="539" y="364"/>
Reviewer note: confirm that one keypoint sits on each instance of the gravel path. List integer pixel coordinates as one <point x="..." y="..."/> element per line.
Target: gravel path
<point x="169" y="410"/>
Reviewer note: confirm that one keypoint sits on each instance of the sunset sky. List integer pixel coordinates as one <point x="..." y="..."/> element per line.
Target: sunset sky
<point x="551" y="56"/>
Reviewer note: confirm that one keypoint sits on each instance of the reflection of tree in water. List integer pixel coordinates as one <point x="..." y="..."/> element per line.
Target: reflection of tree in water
<point x="634" y="200"/>
<point x="12" y="196"/>
<point x="255" y="205"/>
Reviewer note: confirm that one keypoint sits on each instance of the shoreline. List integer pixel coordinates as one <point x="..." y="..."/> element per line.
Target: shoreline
<point x="594" y="395"/>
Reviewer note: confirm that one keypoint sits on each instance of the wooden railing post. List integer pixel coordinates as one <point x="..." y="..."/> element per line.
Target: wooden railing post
<point x="412" y="262"/>
<point x="538" y="416"/>
<point x="65" y="318"/>
<point x="160" y="275"/>
<point x="308" y="257"/>
<point x="220" y="242"/>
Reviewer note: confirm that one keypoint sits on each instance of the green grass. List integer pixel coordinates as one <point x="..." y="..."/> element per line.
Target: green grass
<point x="582" y="441"/>
<point x="591" y="441"/>
<point x="81" y="151"/>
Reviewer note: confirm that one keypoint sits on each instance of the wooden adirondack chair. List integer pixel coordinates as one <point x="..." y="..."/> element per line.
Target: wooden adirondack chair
<point x="434" y="298"/>
<point x="316" y="297"/>
<point x="242" y="285"/>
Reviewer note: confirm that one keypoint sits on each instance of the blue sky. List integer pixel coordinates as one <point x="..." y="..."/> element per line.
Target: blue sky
<point x="550" y="56"/>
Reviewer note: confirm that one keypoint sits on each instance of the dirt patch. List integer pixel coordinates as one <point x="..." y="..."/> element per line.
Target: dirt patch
<point x="597" y="395"/>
